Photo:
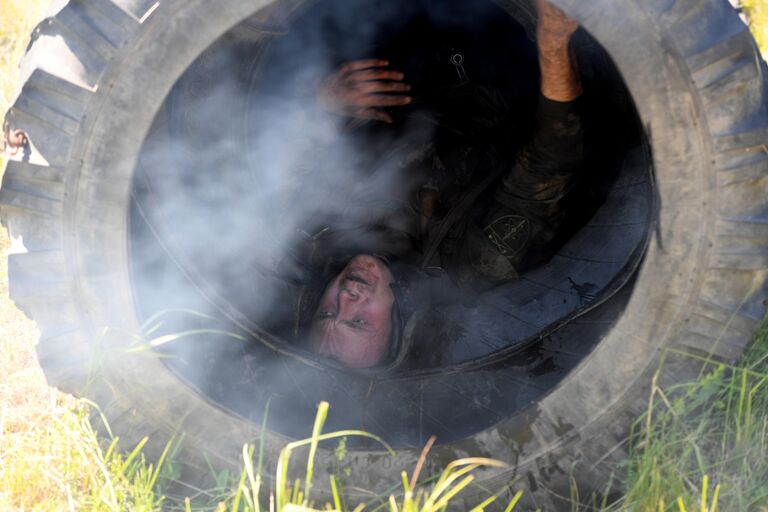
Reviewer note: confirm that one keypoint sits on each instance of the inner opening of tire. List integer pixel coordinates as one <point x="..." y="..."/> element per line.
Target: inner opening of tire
<point x="244" y="177"/>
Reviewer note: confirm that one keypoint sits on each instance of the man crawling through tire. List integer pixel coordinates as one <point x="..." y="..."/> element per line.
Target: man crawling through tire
<point x="480" y="211"/>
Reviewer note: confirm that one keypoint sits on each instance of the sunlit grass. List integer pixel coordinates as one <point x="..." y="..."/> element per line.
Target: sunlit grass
<point x="757" y="14"/>
<point x="704" y="444"/>
<point x="17" y="18"/>
<point x="50" y="457"/>
<point x="58" y="463"/>
<point x="293" y="494"/>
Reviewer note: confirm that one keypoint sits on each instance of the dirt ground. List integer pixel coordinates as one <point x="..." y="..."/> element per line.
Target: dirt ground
<point x="24" y="393"/>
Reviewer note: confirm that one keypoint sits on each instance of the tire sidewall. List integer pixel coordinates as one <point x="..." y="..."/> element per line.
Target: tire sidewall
<point x="580" y="408"/>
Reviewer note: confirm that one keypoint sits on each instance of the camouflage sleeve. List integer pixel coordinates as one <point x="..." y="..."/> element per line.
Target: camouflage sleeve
<point x="527" y="204"/>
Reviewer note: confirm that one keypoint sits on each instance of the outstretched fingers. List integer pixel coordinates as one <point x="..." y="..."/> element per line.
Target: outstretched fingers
<point x="377" y="100"/>
<point x="375" y="74"/>
<point x="362" y="88"/>
<point x="357" y="65"/>
<point x="382" y="87"/>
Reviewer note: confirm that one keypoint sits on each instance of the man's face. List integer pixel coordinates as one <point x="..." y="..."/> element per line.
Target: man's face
<point x="353" y="321"/>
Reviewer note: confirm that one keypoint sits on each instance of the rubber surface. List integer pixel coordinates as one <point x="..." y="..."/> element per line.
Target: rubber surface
<point x="96" y="73"/>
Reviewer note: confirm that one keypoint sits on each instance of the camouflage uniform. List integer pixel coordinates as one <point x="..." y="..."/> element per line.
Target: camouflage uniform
<point x="495" y="205"/>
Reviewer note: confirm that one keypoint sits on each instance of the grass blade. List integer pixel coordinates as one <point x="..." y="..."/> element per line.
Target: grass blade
<point x="480" y="507"/>
<point x="422" y="460"/>
<point x="131" y="456"/>
<point x="239" y="493"/>
<point x="248" y="461"/>
<point x="513" y="502"/>
<point x="454" y="491"/>
<point x="322" y="415"/>
<point x="335" y="492"/>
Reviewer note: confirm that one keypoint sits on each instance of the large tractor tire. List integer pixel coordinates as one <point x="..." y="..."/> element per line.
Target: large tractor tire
<point x="98" y="71"/>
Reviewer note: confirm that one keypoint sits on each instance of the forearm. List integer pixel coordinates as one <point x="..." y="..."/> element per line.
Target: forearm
<point x="556" y="149"/>
<point x="559" y="79"/>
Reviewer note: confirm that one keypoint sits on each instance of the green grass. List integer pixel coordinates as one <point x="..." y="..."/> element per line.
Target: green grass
<point x="704" y="440"/>
<point x="426" y="495"/>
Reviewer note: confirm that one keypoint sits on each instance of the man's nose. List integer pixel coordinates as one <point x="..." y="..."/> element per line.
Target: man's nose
<point x="348" y="295"/>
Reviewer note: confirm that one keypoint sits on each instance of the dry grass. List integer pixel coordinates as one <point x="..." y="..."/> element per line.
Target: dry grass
<point x="757" y="13"/>
<point x="24" y="385"/>
<point x="32" y="415"/>
<point x="17" y="18"/>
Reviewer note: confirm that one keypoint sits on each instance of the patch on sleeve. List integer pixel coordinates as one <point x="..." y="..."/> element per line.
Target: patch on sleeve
<point x="510" y="234"/>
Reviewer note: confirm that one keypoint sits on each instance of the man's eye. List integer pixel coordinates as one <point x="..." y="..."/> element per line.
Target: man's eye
<point x="359" y="321"/>
<point x="324" y="314"/>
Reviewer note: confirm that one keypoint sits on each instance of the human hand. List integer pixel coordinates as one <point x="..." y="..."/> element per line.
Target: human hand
<point x="359" y="89"/>
<point x="554" y="28"/>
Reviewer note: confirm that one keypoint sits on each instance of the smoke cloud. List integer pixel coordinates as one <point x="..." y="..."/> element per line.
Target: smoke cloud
<point x="243" y="170"/>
